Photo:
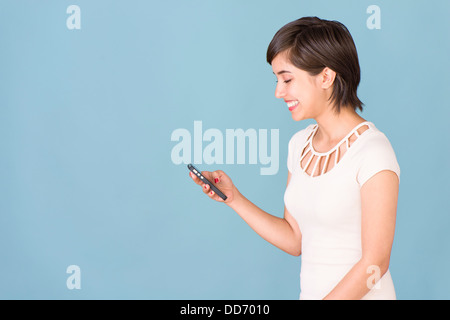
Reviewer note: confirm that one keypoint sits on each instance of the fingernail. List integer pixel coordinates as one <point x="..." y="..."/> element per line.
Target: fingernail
<point x="212" y="192"/>
<point x="216" y="180"/>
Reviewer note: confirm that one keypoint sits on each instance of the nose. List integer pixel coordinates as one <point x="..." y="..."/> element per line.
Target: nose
<point x="279" y="91"/>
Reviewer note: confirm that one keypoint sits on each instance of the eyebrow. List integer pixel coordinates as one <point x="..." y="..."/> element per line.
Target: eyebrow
<point x="282" y="71"/>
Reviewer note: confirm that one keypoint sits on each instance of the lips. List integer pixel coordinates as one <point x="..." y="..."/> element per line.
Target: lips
<point x="292" y="104"/>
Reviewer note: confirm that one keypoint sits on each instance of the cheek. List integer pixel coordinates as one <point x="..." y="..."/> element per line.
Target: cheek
<point x="296" y="90"/>
<point x="303" y="95"/>
<point x="308" y="95"/>
<point x="300" y="89"/>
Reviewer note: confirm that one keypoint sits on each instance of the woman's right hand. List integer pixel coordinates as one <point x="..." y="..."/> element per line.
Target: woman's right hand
<point x="221" y="180"/>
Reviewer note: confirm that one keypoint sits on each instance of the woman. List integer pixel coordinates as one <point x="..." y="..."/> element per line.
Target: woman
<point x="343" y="176"/>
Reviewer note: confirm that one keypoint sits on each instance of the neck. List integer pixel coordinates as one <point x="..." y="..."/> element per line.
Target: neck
<point x="333" y="127"/>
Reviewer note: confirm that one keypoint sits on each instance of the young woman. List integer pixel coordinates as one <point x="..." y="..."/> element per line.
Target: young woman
<point x="343" y="175"/>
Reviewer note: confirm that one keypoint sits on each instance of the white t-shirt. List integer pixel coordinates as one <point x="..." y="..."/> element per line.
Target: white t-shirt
<point x="326" y="204"/>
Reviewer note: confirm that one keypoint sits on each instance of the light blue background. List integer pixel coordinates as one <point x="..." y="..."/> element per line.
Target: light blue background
<point x="86" y="116"/>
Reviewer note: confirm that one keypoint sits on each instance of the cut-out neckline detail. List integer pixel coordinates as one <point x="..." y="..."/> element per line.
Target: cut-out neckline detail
<point x="321" y="160"/>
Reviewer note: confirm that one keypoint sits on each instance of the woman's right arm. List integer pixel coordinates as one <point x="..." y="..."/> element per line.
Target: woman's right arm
<point x="283" y="233"/>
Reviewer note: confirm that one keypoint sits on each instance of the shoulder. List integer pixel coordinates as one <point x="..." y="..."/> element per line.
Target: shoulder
<point x="375" y="143"/>
<point x="375" y="154"/>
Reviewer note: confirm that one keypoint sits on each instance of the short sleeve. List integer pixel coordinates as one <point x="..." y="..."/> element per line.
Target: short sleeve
<point x="291" y="156"/>
<point x="377" y="155"/>
<point x="295" y="145"/>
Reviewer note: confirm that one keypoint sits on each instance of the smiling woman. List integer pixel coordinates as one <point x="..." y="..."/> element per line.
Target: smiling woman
<point x="339" y="169"/>
<point x="343" y="175"/>
<point x="311" y="44"/>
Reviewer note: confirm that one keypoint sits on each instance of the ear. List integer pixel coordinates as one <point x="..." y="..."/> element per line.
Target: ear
<point x="327" y="78"/>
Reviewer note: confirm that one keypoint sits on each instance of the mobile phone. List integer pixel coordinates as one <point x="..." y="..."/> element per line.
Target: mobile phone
<point x="213" y="187"/>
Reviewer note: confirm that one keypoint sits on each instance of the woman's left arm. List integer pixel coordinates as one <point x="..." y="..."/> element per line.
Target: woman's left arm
<point x="379" y="209"/>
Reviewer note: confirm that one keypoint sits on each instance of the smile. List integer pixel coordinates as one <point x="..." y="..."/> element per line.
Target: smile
<point x="292" y="105"/>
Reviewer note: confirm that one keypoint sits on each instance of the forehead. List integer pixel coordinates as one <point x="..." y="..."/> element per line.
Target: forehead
<point x="281" y="64"/>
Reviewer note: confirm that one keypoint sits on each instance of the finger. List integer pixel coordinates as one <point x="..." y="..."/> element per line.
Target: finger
<point x="217" y="176"/>
<point x="206" y="188"/>
<point x="195" y="178"/>
<point x="214" y="196"/>
<point x="207" y="175"/>
<point x="219" y="173"/>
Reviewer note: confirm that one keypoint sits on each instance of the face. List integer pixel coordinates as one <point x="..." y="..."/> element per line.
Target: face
<point x="306" y="96"/>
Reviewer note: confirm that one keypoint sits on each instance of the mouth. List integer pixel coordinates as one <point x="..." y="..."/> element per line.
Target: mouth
<point x="292" y="105"/>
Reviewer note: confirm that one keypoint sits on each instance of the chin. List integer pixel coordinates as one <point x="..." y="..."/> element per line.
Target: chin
<point x="297" y="117"/>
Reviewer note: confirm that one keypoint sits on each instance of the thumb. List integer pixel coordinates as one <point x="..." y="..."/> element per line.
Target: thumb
<point x="216" y="176"/>
<point x="221" y="177"/>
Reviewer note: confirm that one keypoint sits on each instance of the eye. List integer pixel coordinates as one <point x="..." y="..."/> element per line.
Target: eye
<point x="286" y="81"/>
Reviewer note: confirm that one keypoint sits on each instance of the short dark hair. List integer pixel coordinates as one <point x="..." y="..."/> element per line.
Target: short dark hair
<point x="311" y="45"/>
